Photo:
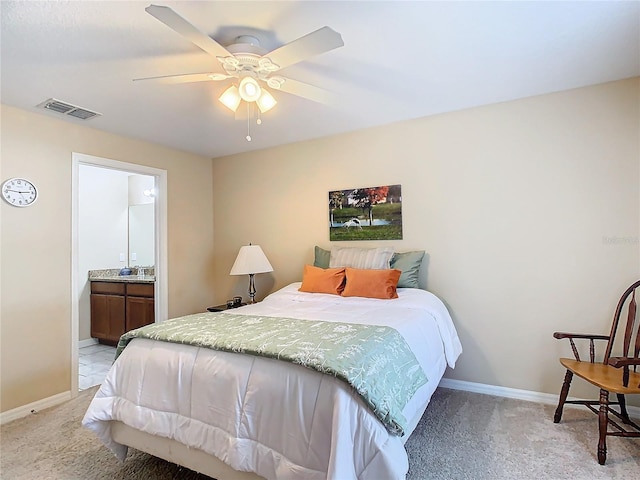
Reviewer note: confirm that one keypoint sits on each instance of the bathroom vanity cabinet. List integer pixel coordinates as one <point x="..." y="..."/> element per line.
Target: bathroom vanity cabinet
<point x="119" y="306"/>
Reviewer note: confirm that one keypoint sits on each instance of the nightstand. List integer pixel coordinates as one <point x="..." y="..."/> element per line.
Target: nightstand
<point x="222" y="308"/>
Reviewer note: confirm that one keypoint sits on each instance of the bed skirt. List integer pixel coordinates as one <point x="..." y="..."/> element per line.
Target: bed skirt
<point x="178" y="453"/>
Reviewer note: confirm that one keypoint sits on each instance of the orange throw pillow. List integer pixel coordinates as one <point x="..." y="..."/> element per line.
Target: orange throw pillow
<point x="322" y="280"/>
<point x="371" y="283"/>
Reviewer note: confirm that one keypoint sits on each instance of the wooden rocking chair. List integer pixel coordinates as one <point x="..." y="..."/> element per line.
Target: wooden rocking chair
<point x="613" y="375"/>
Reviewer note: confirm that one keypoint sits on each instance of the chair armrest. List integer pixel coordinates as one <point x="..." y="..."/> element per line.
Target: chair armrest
<point x="618" y="362"/>
<point x="587" y="336"/>
<point x="624" y="363"/>
<point x="561" y="335"/>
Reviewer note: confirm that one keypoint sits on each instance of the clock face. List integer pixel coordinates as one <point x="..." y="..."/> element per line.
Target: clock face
<point x="19" y="192"/>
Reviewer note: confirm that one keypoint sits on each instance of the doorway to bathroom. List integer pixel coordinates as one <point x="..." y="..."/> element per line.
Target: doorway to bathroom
<point x="119" y="221"/>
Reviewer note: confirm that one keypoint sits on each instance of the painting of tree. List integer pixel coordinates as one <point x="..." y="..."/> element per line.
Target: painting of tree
<point x="371" y="213"/>
<point x="335" y="201"/>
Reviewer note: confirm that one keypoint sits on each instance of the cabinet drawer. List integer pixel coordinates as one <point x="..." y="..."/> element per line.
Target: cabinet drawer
<point x="140" y="289"/>
<point x="107" y="288"/>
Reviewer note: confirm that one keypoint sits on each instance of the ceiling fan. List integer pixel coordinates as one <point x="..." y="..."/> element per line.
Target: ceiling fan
<point x="249" y="65"/>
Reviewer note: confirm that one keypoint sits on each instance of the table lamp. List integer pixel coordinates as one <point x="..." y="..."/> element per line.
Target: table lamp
<point x="251" y="260"/>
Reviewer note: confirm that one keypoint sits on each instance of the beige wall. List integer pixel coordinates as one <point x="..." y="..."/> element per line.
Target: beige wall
<point x="36" y="244"/>
<point x="513" y="203"/>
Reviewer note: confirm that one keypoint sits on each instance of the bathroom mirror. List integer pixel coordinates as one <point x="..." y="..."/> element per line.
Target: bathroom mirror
<point x="141" y="235"/>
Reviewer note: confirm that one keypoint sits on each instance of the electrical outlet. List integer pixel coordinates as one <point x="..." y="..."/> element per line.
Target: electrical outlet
<point x="134" y="257"/>
<point x="122" y="257"/>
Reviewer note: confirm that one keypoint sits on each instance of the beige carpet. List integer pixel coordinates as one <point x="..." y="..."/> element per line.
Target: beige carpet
<point x="461" y="436"/>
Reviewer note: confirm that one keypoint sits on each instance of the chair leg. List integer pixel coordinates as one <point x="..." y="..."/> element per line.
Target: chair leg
<point x="623" y="408"/>
<point x="563" y="396"/>
<point x="603" y="420"/>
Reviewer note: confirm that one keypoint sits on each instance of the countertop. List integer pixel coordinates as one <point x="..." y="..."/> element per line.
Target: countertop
<point x="112" y="275"/>
<point x="125" y="279"/>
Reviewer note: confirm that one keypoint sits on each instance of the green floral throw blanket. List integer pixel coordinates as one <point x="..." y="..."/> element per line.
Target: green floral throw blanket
<point x="375" y="360"/>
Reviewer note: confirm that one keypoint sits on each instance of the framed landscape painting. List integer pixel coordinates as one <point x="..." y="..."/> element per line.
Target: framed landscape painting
<point x="371" y="213"/>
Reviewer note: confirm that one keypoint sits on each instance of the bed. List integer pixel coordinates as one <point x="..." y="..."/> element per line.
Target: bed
<point x="237" y="415"/>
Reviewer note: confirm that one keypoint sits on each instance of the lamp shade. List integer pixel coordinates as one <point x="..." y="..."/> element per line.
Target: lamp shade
<point x="251" y="259"/>
<point x="266" y="101"/>
<point x="249" y="89"/>
<point x="231" y="98"/>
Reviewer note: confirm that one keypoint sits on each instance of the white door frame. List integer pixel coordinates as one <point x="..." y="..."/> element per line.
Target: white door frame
<point x="161" y="270"/>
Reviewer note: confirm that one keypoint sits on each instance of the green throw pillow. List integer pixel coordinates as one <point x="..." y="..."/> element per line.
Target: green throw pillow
<point x="409" y="264"/>
<point x="322" y="257"/>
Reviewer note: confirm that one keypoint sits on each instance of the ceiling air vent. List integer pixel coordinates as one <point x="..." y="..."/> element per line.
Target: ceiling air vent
<point x="68" y="109"/>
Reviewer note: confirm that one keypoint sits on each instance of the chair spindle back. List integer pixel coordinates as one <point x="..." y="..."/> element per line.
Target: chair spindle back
<point x="632" y="327"/>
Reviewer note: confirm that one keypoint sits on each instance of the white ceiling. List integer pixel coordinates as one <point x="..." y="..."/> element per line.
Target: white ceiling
<point x="401" y="60"/>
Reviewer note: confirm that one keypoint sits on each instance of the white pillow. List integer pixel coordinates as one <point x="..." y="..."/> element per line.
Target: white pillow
<point x="363" y="258"/>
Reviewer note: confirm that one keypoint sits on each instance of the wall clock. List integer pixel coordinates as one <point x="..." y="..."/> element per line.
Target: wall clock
<point x="19" y="192"/>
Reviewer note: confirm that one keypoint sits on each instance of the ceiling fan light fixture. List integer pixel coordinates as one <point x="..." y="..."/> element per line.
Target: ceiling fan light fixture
<point x="266" y="101"/>
<point x="230" y="98"/>
<point x="250" y="90"/>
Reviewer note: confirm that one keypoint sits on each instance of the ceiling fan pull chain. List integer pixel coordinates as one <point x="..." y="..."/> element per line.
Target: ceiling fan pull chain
<point x="248" y="122"/>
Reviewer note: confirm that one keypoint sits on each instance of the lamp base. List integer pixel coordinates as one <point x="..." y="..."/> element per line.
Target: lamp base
<point x="252" y="288"/>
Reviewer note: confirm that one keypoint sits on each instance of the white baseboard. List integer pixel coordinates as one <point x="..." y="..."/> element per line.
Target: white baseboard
<point x="34" y="407"/>
<point x="87" y="343"/>
<point x="528" y="395"/>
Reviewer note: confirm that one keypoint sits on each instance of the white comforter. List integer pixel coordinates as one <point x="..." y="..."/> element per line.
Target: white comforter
<point x="279" y="420"/>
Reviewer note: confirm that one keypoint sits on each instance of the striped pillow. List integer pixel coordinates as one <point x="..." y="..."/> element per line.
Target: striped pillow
<point x="361" y="258"/>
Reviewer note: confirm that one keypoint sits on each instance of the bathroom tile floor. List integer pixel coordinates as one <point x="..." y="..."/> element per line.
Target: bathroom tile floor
<point x="94" y="363"/>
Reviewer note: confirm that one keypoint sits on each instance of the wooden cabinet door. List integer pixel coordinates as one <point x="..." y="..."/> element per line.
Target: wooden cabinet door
<point x="140" y="312"/>
<point x="107" y="317"/>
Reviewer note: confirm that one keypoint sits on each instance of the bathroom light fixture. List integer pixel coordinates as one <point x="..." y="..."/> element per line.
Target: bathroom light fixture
<point x="251" y="260"/>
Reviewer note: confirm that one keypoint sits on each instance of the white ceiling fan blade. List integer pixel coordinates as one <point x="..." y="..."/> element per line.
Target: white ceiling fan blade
<point x="184" y="78"/>
<point x="314" y="43"/>
<point x="301" y="89"/>
<point x="178" y="24"/>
